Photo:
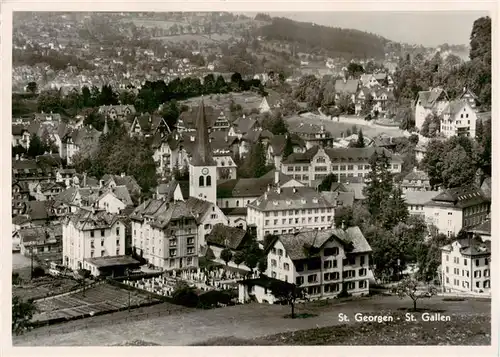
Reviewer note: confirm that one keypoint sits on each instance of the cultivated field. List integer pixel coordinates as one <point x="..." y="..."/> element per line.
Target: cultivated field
<point x="260" y="322"/>
<point x="42" y="287"/>
<point x="100" y="298"/>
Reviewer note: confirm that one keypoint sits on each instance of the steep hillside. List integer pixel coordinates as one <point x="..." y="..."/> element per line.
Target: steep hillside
<point x="335" y="41"/>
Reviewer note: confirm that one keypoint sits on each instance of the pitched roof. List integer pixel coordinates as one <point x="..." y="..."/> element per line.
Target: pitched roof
<point x="120" y="192"/>
<point x="162" y="212"/>
<point x="225" y="236"/>
<point x="126" y="180"/>
<point x="455" y="106"/>
<point x="416" y="175"/>
<point x="249" y="187"/>
<point x="291" y="198"/>
<point x="37" y="210"/>
<point x="419" y="198"/>
<point x="460" y="197"/>
<point x="352" y="239"/>
<point x="244" y="124"/>
<point x="90" y="220"/>
<point x="429" y="98"/>
<point x="482" y="228"/>
<point x="349" y="87"/>
<point x="18" y="129"/>
<point x="198" y="207"/>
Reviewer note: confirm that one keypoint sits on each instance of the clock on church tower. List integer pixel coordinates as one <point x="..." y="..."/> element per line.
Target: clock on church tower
<point x="204" y="171"/>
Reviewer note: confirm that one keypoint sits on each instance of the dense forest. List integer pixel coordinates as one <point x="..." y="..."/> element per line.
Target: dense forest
<point x="336" y="41"/>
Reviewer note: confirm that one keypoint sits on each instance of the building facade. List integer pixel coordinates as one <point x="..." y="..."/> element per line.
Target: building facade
<point x="324" y="263"/>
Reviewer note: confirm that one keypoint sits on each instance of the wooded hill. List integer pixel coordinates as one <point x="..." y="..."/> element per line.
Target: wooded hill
<point x="337" y="42"/>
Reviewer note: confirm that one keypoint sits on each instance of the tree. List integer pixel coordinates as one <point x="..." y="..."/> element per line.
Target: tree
<point x="379" y="186"/>
<point x="37" y="147"/>
<point x="355" y="70"/>
<point x="170" y="113"/>
<point x="185" y="295"/>
<point x="367" y="106"/>
<point x="409" y="288"/>
<point x="480" y="40"/>
<point x="288" y="149"/>
<point x="262" y="265"/>
<point x="326" y="183"/>
<point x="395" y="211"/>
<point x="344" y="217"/>
<point x="256" y="160"/>
<point x="388" y="253"/>
<point x="458" y="168"/>
<point x="32" y="87"/>
<point x="226" y="255"/>
<point x="22" y="313"/>
<point x="239" y="258"/>
<point x="278" y="124"/>
<point x="287" y="293"/>
<point x="432" y="162"/>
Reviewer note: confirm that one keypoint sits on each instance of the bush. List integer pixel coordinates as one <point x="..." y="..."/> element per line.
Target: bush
<point x="16" y="279"/>
<point x="38" y="272"/>
<point x="185" y="295"/>
<point x="212" y="298"/>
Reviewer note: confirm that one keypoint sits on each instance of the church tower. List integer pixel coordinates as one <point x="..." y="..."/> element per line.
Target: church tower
<point x="202" y="168"/>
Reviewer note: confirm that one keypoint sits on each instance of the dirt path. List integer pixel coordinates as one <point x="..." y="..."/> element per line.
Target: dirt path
<point x="244" y="321"/>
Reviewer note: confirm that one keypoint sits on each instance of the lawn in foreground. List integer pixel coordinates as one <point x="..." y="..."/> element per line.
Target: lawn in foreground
<point x="463" y="329"/>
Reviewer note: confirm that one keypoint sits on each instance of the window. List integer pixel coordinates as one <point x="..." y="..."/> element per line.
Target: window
<point x="201" y="181"/>
<point x="299" y="280"/>
<point x="92" y="244"/>
<point x="273" y="262"/>
<point x="312" y="278"/>
<point x="118" y="251"/>
<point x="486" y="273"/>
<point x="117" y="242"/>
<point x="486" y="261"/>
<point x="102" y="253"/>
<point x="350" y="167"/>
<point x="447" y="270"/>
<point x="447" y="257"/>
<point x="477" y="274"/>
<point x="331" y="288"/>
<point x="477" y="262"/>
<point x="92" y="234"/>
<point x="349" y="274"/>
<point x="173" y="252"/>
<point x="362" y="260"/>
<point x="329" y="264"/>
<point x="273" y="274"/>
<point x="102" y="243"/>
<point x="209" y="180"/>
<point x="173" y="242"/>
<point x="362" y="284"/>
<point x="190" y="250"/>
<point x="330" y="276"/>
<point x="331" y="251"/>
<point x="362" y="272"/>
<point x="350" y="285"/>
<point x="335" y="168"/>
<point x="190" y="240"/>
<point x="286" y="266"/>
<point x="465" y="262"/>
<point x="102" y="232"/>
<point x="280" y="252"/>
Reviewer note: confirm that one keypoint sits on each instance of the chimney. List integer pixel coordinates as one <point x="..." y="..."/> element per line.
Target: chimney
<point x="122" y="174"/>
<point x="276" y="177"/>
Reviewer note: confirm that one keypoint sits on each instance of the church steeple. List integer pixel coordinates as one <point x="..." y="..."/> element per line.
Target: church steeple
<point x="202" y="155"/>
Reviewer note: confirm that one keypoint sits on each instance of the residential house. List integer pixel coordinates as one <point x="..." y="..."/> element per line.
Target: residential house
<point x="270" y="102"/>
<point x="46" y="191"/>
<point x="84" y="140"/>
<point x="111" y="181"/>
<point x="427" y="102"/>
<point x="416" y="180"/>
<point x="221" y="123"/>
<point x="66" y="176"/>
<point x="468" y="96"/>
<point x="147" y="125"/>
<point x="417" y="199"/>
<point x="242" y="126"/>
<point x="91" y="234"/>
<point x="346" y="87"/>
<point x="288" y="209"/>
<point x="457" y="208"/>
<point x="165" y="234"/>
<point x="167" y="154"/>
<point x="207" y="214"/>
<point x="170" y="191"/>
<point x="459" y="118"/>
<point x="311" y="167"/>
<point x="371" y="80"/>
<point x="465" y="266"/>
<point x="117" y="111"/>
<point x="114" y="200"/>
<point x="42" y="242"/>
<point x="323" y="262"/>
<point x="312" y="134"/>
<point x="222" y="237"/>
<point x="20" y="136"/>
<point x="260" y="290"/>
<point x="276" y="148"/>
<point x="38" y="212"/>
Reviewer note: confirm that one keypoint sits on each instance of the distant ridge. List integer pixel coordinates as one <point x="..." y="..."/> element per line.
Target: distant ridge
<point x="336" y="41"/>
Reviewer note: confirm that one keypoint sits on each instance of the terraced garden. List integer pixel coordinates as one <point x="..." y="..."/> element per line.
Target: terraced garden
<point x="97" y="299"/>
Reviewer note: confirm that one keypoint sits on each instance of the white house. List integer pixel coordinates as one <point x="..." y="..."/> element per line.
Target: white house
<point x="427" y="102"/>
<point x="459" y="118"/>
<point x="91" y="234"/>
<point x="465" y="267"/>
<point x="324" y="262"/>
<point x="115" y="200"/>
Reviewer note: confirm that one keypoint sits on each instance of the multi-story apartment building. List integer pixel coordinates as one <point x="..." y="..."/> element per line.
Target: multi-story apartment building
<point x="416" y="180"/>
<point x="91" y="234"/>
<point x="457" y="208"/>
<point x="288" y="209"/>
<point x="416" y="200"/>
<point x="459" y="118"/>
<point x="312" y="166"/>
<point x="324" y="262"/>
<point x="165" y="234"/>
<point x="312" y="135"/>
<point x="428" y="102"/>
<point x="465" y="266"/>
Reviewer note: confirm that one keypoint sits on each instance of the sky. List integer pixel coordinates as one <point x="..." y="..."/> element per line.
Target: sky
<point x="421" y="28"/>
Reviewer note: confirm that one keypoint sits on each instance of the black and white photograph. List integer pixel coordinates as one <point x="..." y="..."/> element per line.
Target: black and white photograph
<point x="249" y="178"/>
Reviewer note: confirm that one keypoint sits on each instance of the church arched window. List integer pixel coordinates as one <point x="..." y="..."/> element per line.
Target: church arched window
<point x="202" y="181"/>
<point x="209" y="180"/>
